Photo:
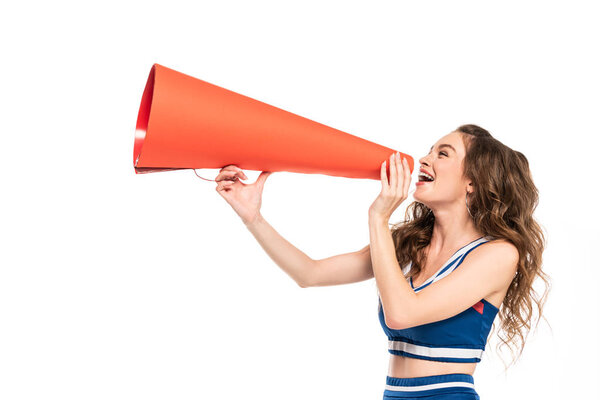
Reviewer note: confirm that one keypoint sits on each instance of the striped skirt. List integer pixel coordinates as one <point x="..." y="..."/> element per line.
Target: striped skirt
<point x="447" y="386"/>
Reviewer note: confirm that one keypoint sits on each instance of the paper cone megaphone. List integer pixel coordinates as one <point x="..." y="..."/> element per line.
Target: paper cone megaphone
<point x="184" y="122"/>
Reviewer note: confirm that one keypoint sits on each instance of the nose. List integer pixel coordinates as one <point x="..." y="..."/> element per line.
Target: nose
<point x="424" y="160"/>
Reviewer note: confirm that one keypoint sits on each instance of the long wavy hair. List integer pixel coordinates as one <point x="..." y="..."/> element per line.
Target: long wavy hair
<point x="502" y="205"/>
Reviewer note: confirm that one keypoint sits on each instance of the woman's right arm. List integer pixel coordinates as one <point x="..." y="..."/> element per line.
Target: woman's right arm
<point x="246" y="201"/>
<point x="337" y="270"/>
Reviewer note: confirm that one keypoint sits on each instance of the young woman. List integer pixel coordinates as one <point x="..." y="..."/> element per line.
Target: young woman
<point x="468" y="250"/>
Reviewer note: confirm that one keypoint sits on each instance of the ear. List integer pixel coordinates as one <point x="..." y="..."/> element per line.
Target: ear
<point x="470" y="187"/>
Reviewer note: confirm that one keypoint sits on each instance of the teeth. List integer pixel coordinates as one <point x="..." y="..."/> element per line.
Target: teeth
<point x="425" y="175"/>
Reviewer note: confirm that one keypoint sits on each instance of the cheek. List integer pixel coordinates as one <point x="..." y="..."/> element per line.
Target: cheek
<point x="450" y="181"/>
<point x="449" y="171"/>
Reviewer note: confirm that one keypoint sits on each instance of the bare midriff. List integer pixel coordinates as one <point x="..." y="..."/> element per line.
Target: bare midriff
<point x="408" y="367"/>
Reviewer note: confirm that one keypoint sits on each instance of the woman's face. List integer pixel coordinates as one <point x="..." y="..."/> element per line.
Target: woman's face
<point x="444" y="164"/>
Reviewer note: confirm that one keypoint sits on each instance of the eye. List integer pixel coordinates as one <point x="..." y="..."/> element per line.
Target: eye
<point x="444" y="153"/>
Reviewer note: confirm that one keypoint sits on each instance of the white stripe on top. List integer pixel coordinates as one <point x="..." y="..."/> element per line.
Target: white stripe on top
<point x="428" y="387"/>
<point x="450" y="352"/>
<point x="453" y="260"/>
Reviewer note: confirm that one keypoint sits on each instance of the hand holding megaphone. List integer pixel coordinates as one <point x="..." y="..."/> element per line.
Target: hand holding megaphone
<point x="245" y="199"/>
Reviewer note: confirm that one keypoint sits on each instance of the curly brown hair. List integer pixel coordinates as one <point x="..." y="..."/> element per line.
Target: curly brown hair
<point x="502" y="205"/>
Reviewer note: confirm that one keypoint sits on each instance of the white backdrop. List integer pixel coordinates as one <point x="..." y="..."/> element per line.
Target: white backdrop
<point x="124" y="286"/>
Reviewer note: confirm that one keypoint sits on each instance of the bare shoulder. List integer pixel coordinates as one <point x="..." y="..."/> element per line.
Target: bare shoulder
<point x="501" y="258"/>
<point x="502" y="248"/>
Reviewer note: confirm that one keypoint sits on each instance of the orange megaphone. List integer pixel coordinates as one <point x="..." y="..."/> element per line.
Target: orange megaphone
<point x="184" y="122"/>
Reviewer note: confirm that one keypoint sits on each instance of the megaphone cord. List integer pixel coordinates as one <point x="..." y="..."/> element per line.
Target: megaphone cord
<point x="212" y="180"/>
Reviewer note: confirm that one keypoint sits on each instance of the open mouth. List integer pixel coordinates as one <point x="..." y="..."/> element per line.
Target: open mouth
<point x="423" y="177"/>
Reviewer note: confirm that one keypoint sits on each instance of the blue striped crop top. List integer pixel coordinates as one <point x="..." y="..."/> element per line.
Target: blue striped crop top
<point x="460" y="338"/>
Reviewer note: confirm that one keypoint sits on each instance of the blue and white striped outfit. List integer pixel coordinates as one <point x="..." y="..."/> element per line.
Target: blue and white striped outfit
<point x="460" y="338"/>
<point x="447" y="387"/>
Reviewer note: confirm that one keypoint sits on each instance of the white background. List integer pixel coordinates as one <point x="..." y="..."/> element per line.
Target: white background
<point x="124" y="286"/>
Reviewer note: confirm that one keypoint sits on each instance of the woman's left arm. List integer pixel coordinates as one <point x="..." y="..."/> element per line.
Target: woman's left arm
<point x="487" y="270"/>
<point x="397" y="297"/>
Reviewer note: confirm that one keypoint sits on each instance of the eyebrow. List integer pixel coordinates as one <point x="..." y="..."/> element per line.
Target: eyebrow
<point x="444" y="145"/>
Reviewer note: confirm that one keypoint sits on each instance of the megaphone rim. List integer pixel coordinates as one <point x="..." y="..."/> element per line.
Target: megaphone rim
<point x="141" y="126"/>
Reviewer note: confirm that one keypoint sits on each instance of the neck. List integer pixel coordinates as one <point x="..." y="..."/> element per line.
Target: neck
<point x="453" y="228"/>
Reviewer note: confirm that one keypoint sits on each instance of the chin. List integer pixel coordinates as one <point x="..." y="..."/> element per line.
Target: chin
<point x="418" y="199"/>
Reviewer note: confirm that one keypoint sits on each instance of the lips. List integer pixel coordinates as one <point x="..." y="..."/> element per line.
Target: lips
<point x="426" y="172"/>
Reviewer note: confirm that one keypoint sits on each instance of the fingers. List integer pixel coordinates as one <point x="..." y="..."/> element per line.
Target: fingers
<point x="402" y="170"/>
<point x="229" y="167"/>
<point x="224" y="184"/>
<point x="406" y="177"/>
<point x="228" y="174"/>
<point x="263" y="177"/>
<point x="399" y="179"/>
<point x="383" y="175"/>
<point x="400" y="174"/>
<point x="235" y="168"/>
<point x="393" y="171"/>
